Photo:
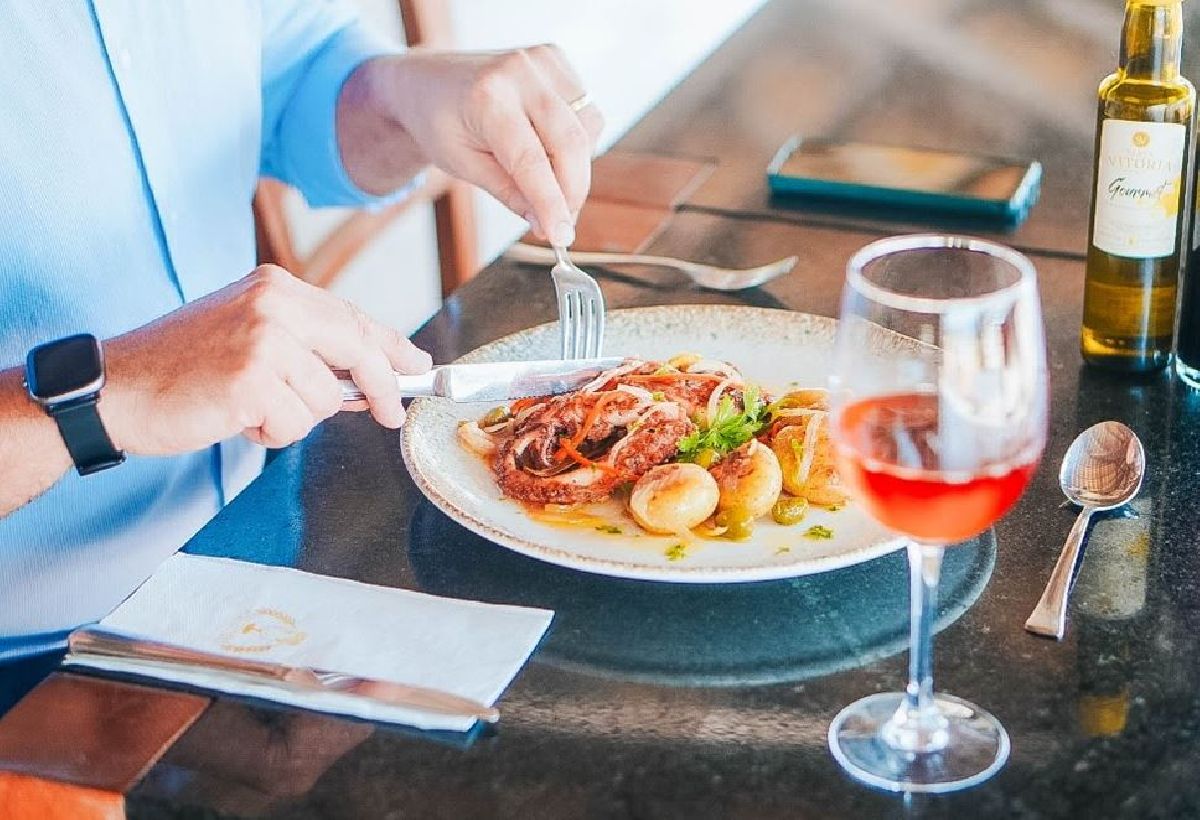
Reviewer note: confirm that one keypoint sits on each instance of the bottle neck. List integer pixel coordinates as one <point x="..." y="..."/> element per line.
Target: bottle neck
<point x="1152" y="40"/>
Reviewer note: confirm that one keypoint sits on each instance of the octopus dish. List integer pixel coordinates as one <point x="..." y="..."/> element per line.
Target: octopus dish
<point x="688" y="445"/>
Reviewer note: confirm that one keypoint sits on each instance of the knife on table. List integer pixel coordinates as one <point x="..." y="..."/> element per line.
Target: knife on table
<point x="95" y="643"/>
<point x="497" y="381"/>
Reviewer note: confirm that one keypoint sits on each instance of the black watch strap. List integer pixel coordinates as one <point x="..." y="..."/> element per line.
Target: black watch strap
<point x="85" y="437"/>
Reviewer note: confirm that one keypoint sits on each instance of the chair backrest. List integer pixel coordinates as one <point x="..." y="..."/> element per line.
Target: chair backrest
<point x="426" y="23"/>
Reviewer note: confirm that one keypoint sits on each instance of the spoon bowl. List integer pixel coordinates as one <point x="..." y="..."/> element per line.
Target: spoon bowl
<point x="1102" y="470"/>
<point x="1103" y="467"/>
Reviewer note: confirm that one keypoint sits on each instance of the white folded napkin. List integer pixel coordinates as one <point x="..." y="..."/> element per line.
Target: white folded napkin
<point x="295" y="618"/>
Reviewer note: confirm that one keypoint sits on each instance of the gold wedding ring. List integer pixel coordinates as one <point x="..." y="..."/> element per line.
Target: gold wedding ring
<point x="581" y="102"/>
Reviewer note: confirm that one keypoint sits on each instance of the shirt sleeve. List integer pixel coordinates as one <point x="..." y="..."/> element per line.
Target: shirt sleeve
<point x="309" y="50"/>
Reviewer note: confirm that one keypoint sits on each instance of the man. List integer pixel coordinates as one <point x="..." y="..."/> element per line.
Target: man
<point x="133" y="135"/>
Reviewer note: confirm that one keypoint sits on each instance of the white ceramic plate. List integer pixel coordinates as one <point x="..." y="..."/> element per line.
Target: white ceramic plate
<point x="776" y="348"/>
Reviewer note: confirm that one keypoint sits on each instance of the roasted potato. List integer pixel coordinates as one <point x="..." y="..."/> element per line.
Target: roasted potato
<point x="818" y="483"/>
<point x="673" y="498"/>
<point x="788" y="446"/>
<point x="749" y="479"/>
<point x="812" y="398"/>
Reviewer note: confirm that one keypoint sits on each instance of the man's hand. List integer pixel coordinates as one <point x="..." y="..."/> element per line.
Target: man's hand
<point x="500" y="120"/>
<point x="252" y="358"/>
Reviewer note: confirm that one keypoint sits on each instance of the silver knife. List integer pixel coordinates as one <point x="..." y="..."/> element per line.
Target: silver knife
<point x="499" y="381"/>
<point x="92" y="642"/>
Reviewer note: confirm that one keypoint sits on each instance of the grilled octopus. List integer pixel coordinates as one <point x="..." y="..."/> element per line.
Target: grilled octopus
<point x="577" y="448"/>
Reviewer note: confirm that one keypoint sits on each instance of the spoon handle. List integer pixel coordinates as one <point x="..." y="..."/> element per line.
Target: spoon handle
<point x="1049" y="617"/>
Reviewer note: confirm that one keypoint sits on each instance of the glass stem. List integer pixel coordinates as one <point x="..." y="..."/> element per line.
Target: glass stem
<point x="919" y="725"/>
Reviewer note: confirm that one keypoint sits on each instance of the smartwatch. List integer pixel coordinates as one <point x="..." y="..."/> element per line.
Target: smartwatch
<point x="65" y="377"/>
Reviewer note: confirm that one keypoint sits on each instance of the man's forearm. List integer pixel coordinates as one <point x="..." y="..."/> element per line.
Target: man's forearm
<point x="32" y="453"/>
<point x="378" y="154"/>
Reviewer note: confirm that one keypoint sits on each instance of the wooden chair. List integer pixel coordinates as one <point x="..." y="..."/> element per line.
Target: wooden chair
<point x="426" y="23"/>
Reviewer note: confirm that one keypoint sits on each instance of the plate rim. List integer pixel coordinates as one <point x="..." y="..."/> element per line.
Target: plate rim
<point x="623" y="569"/>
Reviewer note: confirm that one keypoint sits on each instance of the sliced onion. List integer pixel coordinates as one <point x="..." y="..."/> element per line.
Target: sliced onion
<point x="714" y="399"/>
<point x="608" y="375"/>
<point x="520" y="417"/>
<point x="640" y="392"/>
<point x="810" y="448"/>
<point x="472" y="436"/>
<point x="797" y="412"/>
<point x="714" y="366"/>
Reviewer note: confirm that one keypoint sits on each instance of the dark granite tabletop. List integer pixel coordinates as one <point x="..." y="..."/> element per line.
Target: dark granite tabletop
<point x="651" y="700"/>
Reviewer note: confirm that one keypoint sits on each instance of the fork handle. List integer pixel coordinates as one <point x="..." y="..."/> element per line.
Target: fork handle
<point x="534" y="255"/>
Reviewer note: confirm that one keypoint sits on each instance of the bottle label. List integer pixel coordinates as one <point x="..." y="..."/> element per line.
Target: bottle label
<point x="1138" y="188"/>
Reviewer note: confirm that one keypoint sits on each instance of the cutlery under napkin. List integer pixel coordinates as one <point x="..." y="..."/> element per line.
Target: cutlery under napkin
<point x="293" y="618"/>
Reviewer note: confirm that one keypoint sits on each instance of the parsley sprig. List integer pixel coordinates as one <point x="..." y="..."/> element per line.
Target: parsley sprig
<point x="730" y="427"/>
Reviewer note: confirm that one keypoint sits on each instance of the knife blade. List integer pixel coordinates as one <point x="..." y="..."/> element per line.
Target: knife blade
<point x="92" y="642"/>
<point x="497" y="381"/>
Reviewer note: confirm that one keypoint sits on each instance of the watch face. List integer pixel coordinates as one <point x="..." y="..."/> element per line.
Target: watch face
<point x="68" y="366"/>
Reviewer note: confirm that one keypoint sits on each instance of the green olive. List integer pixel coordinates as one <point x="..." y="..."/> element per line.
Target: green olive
<point x="738" y="526"/>
<point x="789" y="510"/>
<point x="740" y="530"/>
<point x="494" y="416"/>
<point x="707" y="457"/>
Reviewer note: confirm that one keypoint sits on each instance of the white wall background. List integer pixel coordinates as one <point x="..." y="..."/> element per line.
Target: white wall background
<point x="629" y="54"/>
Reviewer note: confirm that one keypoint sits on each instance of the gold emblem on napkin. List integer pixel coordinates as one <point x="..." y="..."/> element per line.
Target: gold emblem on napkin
<point x="260" y="631"/>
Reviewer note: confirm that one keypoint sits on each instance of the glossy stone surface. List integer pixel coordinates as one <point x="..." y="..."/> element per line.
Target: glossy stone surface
<point x="655" y="701"/>
<point x="649" y="701"/>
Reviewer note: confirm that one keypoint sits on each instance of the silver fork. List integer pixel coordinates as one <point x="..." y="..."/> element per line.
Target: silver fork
<point x="580" y="309"/>
<point x="706" y="276"/>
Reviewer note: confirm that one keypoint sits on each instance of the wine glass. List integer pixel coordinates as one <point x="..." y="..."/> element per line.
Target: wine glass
<point x="938" y="401"/>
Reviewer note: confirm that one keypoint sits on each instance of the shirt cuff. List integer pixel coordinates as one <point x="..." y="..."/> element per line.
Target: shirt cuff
<point x="18" y="647"/>
<point x="308" y="147"/>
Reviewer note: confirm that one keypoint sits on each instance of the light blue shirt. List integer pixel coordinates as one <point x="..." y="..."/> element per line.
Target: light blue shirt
<point x="133" y="133"/>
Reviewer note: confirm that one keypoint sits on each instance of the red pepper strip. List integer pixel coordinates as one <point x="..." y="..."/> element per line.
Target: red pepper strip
<point x="592" y="417"/>
<point x="521" y="404"/>
<point x="588" y="422"/>
<point x="583" y="461"/>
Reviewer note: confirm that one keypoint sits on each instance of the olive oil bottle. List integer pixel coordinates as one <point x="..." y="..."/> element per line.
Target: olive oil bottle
<point x="1142" y="137"/>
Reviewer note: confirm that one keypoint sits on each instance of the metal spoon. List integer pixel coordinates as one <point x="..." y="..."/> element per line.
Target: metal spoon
<point x="1102" y="470"/>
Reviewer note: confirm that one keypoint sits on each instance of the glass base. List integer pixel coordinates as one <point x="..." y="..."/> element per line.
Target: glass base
<point x="976" y="746"/>
<point x="1188" y="374"/>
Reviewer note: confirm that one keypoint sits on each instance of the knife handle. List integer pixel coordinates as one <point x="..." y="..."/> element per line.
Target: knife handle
<point x="92" y="641"/>
<point x="410" y="386"/>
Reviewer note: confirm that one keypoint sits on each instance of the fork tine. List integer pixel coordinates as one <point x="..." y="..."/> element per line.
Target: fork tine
<point x="589" y="325"/>
<point x="567" y="319"/>
<point x="577" y="316"/>
<point x="589" y="311"/>
<point x="597" y="346"/>
<point x="581" y="323"/>
<point x="564" y="317"/>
